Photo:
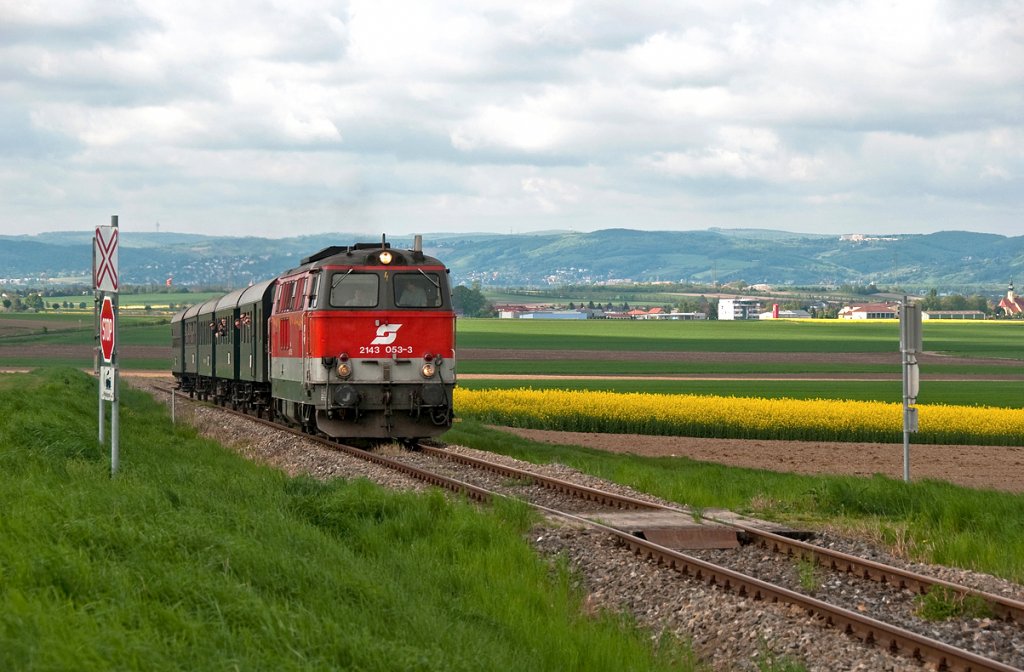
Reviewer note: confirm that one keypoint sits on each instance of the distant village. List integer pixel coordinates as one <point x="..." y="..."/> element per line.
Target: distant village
<point x="1009" y="306"/>
<point x="739" y="308"/>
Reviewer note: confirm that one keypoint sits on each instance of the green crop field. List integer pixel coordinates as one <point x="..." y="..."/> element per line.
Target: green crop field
<point x="1000" y="339"/>
<point x="69" y="330"/>
<point x="708" y="367"/>
<point x="1002" y="394"/>
<point x="158" y="300"/>
<point x="995" y="344"/>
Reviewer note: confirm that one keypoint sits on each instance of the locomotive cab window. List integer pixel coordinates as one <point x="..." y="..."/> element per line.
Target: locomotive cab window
<point x="417" y="290"/>
<point x="354" y="290"/>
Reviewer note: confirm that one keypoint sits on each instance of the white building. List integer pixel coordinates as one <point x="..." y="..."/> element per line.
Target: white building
<point x="738" y="309"/>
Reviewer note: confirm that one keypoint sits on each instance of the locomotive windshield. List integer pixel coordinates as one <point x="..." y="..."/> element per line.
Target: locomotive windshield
<point x="354" y="290"/>
<point x="417" y="290"/>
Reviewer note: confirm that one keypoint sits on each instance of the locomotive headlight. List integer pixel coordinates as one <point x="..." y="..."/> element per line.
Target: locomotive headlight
<point x="428" y="369"/>
<point x="344" y="367"/>
<point x="385" y="257"/>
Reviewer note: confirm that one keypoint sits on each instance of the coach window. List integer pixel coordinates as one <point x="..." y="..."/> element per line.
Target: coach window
<point x="417" y="290"/>
<point x="354" y="290"/>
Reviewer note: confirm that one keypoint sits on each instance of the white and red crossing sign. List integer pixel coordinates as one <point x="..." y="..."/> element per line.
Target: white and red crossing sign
<point x="107" y="330"/>
<point x="104" y="271"/>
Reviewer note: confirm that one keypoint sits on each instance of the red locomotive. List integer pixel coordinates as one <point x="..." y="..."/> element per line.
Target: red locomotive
<point x="357" y="341"/>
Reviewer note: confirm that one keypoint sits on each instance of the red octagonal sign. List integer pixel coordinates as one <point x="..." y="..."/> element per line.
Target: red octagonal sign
<point x="107" y="329"/>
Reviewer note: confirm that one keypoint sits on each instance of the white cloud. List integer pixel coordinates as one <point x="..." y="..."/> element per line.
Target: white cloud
<point x="511" y="115"/>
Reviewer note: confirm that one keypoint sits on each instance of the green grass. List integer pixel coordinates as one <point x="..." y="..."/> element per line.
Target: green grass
<point x="932" y="521"/>
<point x="1003" y="394"/>
<point x="193" y="558"/>
<point x="942" y="604"/>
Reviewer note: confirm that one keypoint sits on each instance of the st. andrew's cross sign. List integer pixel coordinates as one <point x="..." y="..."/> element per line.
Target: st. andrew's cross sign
<point x="104" y="265"/>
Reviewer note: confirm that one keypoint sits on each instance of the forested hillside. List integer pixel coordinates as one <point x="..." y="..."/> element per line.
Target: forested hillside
<point x="948" y="261"/>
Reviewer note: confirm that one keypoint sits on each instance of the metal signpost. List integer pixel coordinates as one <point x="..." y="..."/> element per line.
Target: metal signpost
<point x="910" y="345"/>
<point x="105" y="286"/>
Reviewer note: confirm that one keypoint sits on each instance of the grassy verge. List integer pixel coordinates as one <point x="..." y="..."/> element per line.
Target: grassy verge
<point x="928" y="520"/>
<point x="193" y="558"/>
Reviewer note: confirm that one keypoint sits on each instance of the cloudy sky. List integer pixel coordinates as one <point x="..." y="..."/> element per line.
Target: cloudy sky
<point x="276" y="117"/>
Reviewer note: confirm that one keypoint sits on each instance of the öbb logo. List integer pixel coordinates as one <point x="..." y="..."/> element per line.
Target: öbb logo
<point x="386" y="334"/>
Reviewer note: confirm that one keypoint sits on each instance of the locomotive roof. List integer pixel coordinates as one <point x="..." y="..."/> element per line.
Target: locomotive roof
<point x="365" y="254"/>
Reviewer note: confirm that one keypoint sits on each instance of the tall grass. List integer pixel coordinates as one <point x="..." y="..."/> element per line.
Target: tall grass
<point x="193" y="558"/>
<point x="929" y="520"/>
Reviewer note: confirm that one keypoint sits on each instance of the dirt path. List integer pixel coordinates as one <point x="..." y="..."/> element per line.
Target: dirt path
<point x="995" y="467"/>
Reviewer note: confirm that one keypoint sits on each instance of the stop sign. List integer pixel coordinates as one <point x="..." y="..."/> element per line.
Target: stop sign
<point x="107" y="329"/>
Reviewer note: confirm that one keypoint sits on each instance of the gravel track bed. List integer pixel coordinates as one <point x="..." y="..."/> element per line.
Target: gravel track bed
<point x="529" y="492"/>
<point x="985" y="636"/>
<point x="727" y="631"/>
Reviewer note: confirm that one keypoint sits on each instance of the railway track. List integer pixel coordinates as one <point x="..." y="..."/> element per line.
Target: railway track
<point x="590" y="506"/>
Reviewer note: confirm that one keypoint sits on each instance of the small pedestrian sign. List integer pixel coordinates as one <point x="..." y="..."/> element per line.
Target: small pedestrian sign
<point x="108" y="383"/>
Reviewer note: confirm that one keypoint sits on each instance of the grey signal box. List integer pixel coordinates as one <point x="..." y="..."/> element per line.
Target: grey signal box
<point x="910" y="328"/>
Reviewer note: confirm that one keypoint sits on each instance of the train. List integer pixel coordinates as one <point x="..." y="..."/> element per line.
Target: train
<point x="357" y="342"/>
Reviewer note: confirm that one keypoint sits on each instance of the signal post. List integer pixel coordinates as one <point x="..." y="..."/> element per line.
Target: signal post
<point x="910" y="345"/>
<point x="105" y="288"/>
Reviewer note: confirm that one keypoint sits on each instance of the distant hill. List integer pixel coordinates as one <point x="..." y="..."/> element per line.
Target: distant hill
<point x="947" y="261"/>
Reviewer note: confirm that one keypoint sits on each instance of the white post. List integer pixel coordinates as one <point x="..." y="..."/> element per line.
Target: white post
<point x="906" y="416"/>
<point x="115" y="413"/>
<point x="115" y="427"/>
<point x="103" y="418"/>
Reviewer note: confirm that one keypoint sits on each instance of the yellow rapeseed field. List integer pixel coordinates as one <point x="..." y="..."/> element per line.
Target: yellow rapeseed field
<point x="737" y="417"/>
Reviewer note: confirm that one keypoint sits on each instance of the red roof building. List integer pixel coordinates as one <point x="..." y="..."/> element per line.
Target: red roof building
<point x="1011" y="305"/>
